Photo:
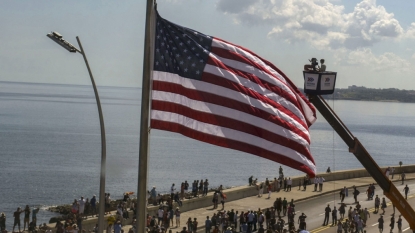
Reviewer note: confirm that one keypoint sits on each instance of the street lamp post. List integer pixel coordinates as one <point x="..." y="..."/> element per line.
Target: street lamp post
<point x="68" y="46"/>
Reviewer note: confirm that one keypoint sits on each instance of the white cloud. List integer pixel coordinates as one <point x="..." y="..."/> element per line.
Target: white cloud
<point x="410" y="33"/>
<point x="322" y="23"/>
<point x="413" y="56"/>
<point x="387" y="61"/>
<point x="368" y="24"/>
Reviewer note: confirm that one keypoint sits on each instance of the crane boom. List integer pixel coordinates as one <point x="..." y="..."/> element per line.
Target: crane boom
<point x="355" y="147"/>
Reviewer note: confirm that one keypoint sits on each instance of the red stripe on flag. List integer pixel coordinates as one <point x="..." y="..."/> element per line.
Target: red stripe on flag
<point x="218" y="120"/>
<point x="229" y="103"/>
<point x="225" y="142"/>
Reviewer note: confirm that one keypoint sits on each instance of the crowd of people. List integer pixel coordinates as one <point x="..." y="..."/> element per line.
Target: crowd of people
<point x="356" y="218"/>
<point x="270" y="220"/>
<point x="226" y="221"/>
<point x="80" y="209"/>
<point x="199" y="188"/>
<point x="27" y="224"/>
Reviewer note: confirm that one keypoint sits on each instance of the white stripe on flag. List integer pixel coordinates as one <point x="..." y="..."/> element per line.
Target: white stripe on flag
<point x="230" y="113"/>
<point x="232" y="135"/>
<point x="224" y="92"/>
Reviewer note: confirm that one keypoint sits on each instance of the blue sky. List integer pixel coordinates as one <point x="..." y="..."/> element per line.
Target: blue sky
<point x="369" y="43"/>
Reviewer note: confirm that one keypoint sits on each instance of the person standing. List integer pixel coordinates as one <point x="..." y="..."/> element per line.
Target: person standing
<point x="81" y="206"/>
<point x="399" y="223"/>
<point x="327" y="212"/>
<point x="267" y="218"/>
<point x="215" y="200"/>
<point x="93" y="203"/>
<point x="26" y="219"/>
<point x="301" y="222"/>
<point x="289" y="184"/>
<point x="334" y="216"/>
<point x="320" y="183"/>
<point x="377" y="204"/>
<point x="275" y="185"/>
<point x="342" y="210"/>
<point x="107" y="202"/>
<point x="205" y="187"/>
<point x="186" y="188"/>
<point x="387" y="172"/>
<point x="380" y="224"/>
<point x="305" y="182"/>
<point x="34" y="215"/>
<point x="392" y="224"/>
<point x="315" y="183"/>
<point x="2" y="222"/>
<point x="153" y="196"/>
<point x="355" y="193"/>
<point x="16" y="216"/>
<point x="284" y="206"/>
<point x="392" y="172"/>
<point x="177" y="199"/>
<point x="201" y="188"/>
<point x="208" y="225"/>
<point x="260" y="189"/>
<point x="403" y="177"/>
<point x="383" y="205"/>
<point x="406" y="190"/>
<point x="222" y="201"/>
<point x="366" y="215"/>
<point x="250" y="218"/>
<point x="342" y="194"/>
<point x="250" y="180"/>
<point x="235" y="219"/>
<point x="173" y="190"/>
<point x="194" y="225"/>
<point x="285" y="184"/>
<point x="160" y="214"/>
<point x="177" y="214"/>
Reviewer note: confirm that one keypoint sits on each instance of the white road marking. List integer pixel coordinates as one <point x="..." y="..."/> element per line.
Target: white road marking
<point x="406" y="229"/>
<point x="321" y="214"/>
<point x="329" y="202"/>
<point x="375" y="224"/>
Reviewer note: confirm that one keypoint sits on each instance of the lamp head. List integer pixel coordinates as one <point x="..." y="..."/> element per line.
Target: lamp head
<point x="55" y="36"/>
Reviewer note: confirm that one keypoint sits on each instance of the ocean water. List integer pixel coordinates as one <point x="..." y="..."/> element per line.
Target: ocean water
<point x="50" y="145"/>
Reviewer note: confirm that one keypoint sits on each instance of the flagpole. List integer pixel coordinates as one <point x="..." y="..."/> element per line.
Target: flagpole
<point x="144" y="128"/>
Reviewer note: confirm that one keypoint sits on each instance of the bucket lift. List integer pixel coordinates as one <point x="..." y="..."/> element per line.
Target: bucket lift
<point x="319" y="82"/>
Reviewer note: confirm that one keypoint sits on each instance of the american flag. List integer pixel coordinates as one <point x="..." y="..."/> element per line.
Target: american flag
<point x="211" y="90"/>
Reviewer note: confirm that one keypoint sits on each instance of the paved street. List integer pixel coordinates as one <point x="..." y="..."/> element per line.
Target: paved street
<point x="312" y="204"/>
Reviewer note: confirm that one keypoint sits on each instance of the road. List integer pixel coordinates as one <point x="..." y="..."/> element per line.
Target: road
<point x="314" y="209"/>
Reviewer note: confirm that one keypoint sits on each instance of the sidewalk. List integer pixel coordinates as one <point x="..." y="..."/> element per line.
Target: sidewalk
<point x="254" y="202"/>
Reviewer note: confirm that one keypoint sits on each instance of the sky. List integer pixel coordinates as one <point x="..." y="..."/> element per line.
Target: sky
<point x="367" y="42"/>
